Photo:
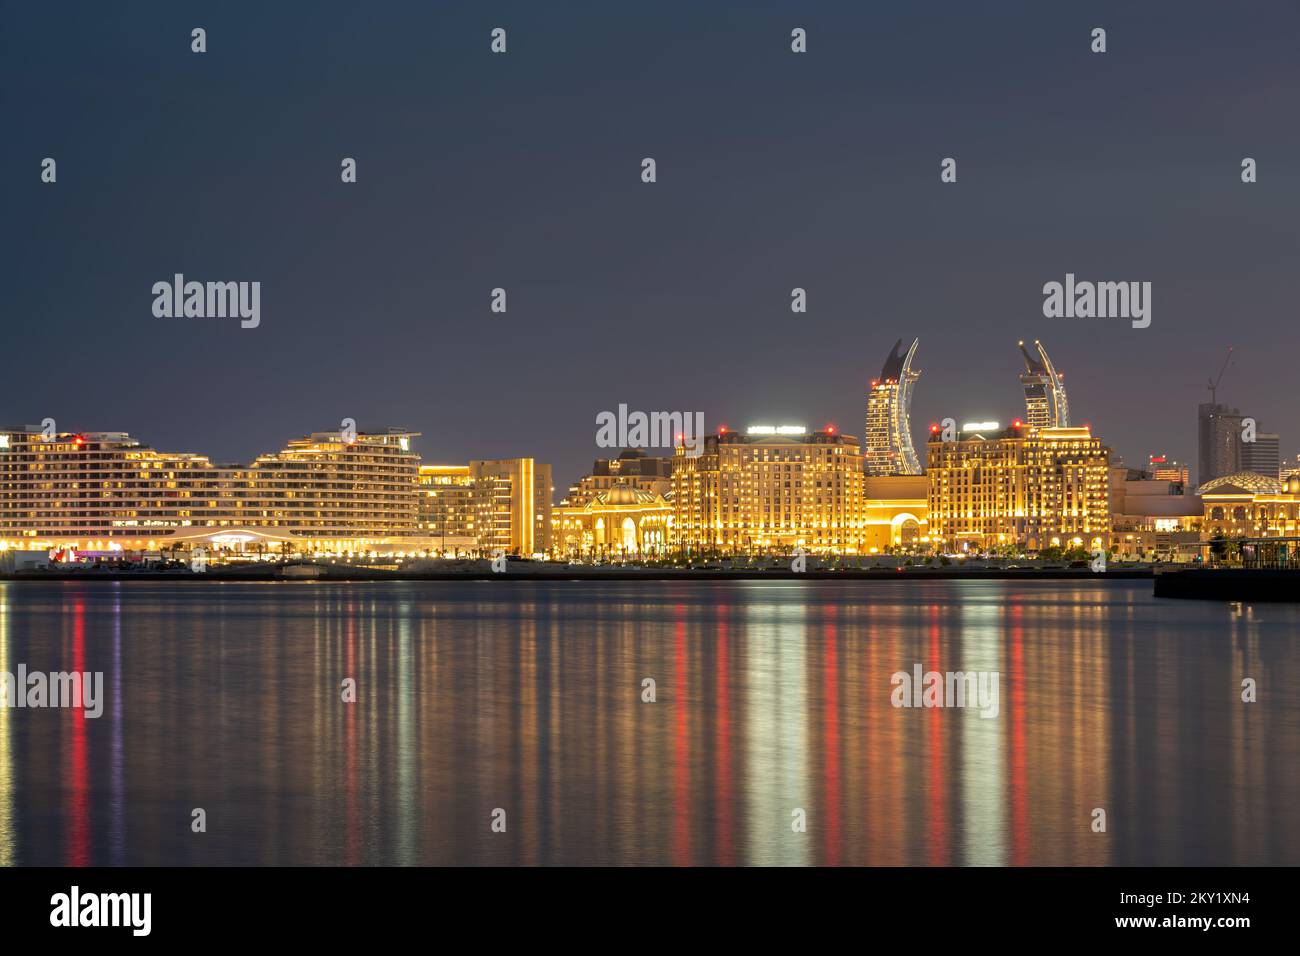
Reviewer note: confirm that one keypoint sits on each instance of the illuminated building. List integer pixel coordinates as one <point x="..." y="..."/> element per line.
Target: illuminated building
<point x="103" y="491"/>
<point x="1250" y="505"/>
<point x="1163" y="468"/>
<point x="512" y="505"/>
<point x="1046" y="405"/>
<point x="897" y="513"/>
<point x="447" y="508"/>
<point x="633" y="468"/>
<point x="1153" y="518"/>
<point x="1031" y="488"/>
<point x="621" y="521"/>
<point x="887" y="441"/>
<point x="773" y="488"/>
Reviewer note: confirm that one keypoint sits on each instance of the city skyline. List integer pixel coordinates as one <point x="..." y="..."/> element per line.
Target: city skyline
<point x="895" y="359"/>
<point x="602" y="435"/>
<point x="835" y="190"/>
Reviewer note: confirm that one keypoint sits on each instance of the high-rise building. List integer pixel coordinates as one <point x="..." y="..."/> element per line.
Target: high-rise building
<point x="887" y="441"/>
<point x="512" y="505"/>
<point x="1164" y="468"/>
<point x="1263" y="456"/>
<point x="1046" y="405"/>
<point x="447" y="508"/>
<point x="1218" y="441"/>
<point x="771" y="489"/>
<point x="1034" y="488"/>
<point x="100" y="491"/>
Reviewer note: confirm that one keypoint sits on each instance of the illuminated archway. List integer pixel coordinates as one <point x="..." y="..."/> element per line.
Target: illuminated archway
<point x="904" y="529"/>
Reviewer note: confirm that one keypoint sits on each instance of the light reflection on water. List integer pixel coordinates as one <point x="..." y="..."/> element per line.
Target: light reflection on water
<point x="773" y="697"/>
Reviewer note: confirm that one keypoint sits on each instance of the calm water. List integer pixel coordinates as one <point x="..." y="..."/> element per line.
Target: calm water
<point x="771" y="697"/>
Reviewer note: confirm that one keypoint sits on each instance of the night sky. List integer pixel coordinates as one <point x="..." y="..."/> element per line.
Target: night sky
<point x="522" y="170"/>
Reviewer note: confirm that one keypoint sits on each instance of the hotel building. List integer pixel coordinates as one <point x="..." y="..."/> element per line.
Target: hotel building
<point x="1250" y="505"/>
<point x="447" y="509"/>
<point x="512" y="498"/>
<point x="897" y="513"/>
<point x="1032" y="488"/>
<point x="887" y="440"/>
<point x="1046" y="404"/>
<point x="619" y="522"/>
<point x="104" y="491"/>
<point x="771" y="489"/>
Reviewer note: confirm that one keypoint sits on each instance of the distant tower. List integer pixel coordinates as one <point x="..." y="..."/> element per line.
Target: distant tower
<point x="1045" y="403"/>
<point x="1218" y="441"/>
<point x="887" y="439"/>
<point x="1263" y="456"/>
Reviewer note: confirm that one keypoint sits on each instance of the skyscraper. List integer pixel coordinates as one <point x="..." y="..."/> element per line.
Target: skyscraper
<point x="1218" y="441"/>
<point x="1263" y="456"/>
<point x="887" y="445"/>
<point x="1046" y="405"/>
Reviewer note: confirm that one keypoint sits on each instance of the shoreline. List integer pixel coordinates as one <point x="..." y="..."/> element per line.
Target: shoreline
<point x="329" y="574"/>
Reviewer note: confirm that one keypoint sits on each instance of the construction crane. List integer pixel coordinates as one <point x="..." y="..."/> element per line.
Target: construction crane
<point x="1214" y="382"/>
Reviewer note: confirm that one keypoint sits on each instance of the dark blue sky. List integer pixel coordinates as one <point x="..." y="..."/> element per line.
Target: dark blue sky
<point x="776" y="170"/>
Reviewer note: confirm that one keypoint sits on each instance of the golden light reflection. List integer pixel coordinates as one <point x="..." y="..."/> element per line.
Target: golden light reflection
<point x="771" y="697"/>
<point x="8" y="836"/>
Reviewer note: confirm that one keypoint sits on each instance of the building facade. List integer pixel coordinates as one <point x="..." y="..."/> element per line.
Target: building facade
<point x="1218" y="441"/>
<point x="620" y="522"/>
<point x="887" y="439"/>
<point x="1022" y="487"/>
<point x="100" y="491"/>
<point x="770" y="490"/>
<point x="1153" y="518"/>
<point x="1250" y="505"/>
<point x="1164" y="468"/>
<point x="447" y="509"/>
<point x="633" y="468"/>
<point x="897" y="513"/>
<point x="512" y="499"/>
<point x="1263" y="456"/>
